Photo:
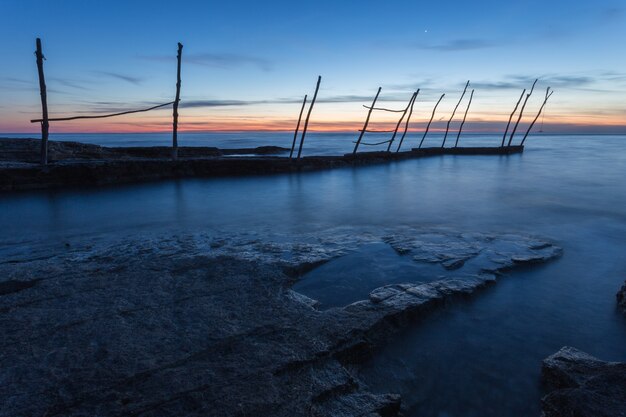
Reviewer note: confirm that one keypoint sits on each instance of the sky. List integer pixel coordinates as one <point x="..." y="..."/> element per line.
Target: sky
<point x="247" y="65"/>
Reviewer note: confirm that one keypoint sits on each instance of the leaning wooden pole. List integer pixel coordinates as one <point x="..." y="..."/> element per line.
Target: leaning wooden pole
<point x="308" y="115"/>
<point x="511" y="118"/>
<point x="295" y="134"/>
<point x="408" y="119"/>
<point x="176" y="101"/>
<point x="548" y="94"/>
<point x="443" y="144"/>
<point x="44" y="104"/>
<point x="367" y="120"/>
<point x="464" y="117"/>
<point x="432" y="116"/>
<point x="521" y="113"/>
<point x="395" y="132"/>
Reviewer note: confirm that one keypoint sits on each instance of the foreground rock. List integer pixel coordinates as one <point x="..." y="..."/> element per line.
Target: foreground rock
<point x="621" y="298"/>
<point x="580" y="385"/>
<point x="200" y="325"/>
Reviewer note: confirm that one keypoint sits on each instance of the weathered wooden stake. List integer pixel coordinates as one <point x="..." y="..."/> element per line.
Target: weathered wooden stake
<point x="511" y="118"/>
<point x="176" y="101"/>
<point x="408" y="119"/>
<point x="306" y="122"/>
<point x="395" y="132"/>
<point x="431" y="120"/>
<point x="548" y="94"/>
<point x="464" y="117"/>
<point x="44" y="104"/>
<point x="295" y="134"/>
<point x="443" y="144"/>
<point x="367" y="120"/>
<point x="521" y="113"/>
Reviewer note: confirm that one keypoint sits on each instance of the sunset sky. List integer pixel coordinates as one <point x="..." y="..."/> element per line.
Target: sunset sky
<point x="247" y="65"/>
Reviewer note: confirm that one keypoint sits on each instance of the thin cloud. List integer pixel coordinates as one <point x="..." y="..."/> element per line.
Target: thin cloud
<point x="459" y="45"/>
<point x="218" y="60"/>
<point x="525" y="81"/>
<point x="124" y="77"/>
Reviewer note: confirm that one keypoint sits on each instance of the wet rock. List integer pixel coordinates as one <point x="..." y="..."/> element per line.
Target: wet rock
<point x="583" y="386"/>
<point x="10" y="286"/>
<point x="621" y="298"/>
<point x="200" y="324"/>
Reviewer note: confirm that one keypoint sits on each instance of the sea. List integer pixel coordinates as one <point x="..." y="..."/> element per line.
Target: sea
<point x="478" y="357"/>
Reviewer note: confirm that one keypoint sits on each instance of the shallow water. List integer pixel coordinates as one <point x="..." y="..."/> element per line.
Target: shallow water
<point x="477" y="358"/>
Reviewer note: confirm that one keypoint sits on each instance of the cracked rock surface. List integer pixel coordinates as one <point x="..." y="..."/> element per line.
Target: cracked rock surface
<point x="581" y="385"/>
<point x="201" y="324"/>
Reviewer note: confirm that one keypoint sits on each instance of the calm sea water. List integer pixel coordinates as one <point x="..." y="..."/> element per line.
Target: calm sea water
<point x="315" y="143"/>
<point x="481" y="357"/>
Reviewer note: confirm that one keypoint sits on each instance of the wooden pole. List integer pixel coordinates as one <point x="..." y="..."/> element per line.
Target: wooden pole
<point x="308" y="115"/>
<point x="443" y="144"/>
<point x="395" y="132"/>
<point x="431" y="120"/>
<point x="464" y="117"/>
<point x="511" y="118"/>
<point x="176" y="101"/>
<point x="367" y="120"/>
<point x="295" y="134"/>
<point x="44" y="104"/>
<point x="101" y="116"/>
<point x="408" y="119"/>
<point x="548" y="94"/>
<point x="519" y="118"/>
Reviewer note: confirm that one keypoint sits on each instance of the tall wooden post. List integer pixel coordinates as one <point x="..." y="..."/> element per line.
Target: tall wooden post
<point x="44" y="104"/>
<point x="408" y="119"/>
<point x="395" y="132"/>
<point x="432" y="116"/>
<point x="308" y="115"/>
<point x="548" y="94"/>
<point x="295" y="134"/>
<point x="464" y="117"/>
<point x="511" y="118"/>
<point x="521" y="113"/>
<point x="367" y="120"/>
<point x="443" y="144"/>
<point x="176" y="101"/>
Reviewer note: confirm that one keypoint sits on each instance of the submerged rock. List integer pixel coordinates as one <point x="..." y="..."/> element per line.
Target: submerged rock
<point x="580" y="385"/>
<point x="199" y="325"/>
<point x="621" y="298"/>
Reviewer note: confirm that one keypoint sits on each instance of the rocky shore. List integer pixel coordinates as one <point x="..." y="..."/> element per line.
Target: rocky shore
<point x="204" y="324"/>
<point x="77" y="164"/>
<point x="583" y="386"/>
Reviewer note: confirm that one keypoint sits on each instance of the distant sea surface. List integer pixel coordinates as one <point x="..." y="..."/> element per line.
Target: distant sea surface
<point x="481" y="357"/>
<point x="316" y="143"/>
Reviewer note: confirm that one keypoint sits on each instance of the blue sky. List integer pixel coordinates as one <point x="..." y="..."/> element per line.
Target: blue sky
<point x="248" y="64"/>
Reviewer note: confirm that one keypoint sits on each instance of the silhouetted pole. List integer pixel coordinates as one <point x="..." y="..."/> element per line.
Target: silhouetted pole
<point x="395" y="132"/>
<point x="308" y="115"/>
<point x="521" y="113"/>
<point x="44" y="104"/>
<point x="464" y="117"/>
<point x="367" y="120"/>
<point x="511" y="118"/>
<point x="443" y="144"/>
<point x="432" y="116"/>
<point x="548" y="94"/>
<point x="295" y="134"/>
<point x="408" y="119"/>
<point x="176" y="101"/>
